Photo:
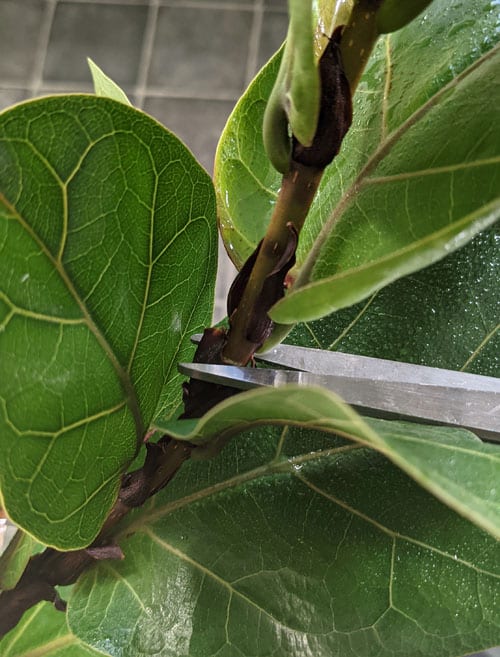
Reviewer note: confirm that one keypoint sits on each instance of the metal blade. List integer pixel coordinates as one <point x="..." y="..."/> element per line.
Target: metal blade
<point x="470" y="401"/>
<point x="339" y="364"/>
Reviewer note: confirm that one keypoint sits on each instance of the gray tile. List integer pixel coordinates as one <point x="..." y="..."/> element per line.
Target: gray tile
<point x="70" y="87"/>
<point x="19" y="28"/>
<point x="245" y="3"/>
<point x="55" y="89"/>
<point x="277" y="4"/>
<point x="10" y="97"/>
<point x="200" y="50"/>
<point x="274" y="27"/>
<point x="198" y="123"/>
<point x="110" y="34"/>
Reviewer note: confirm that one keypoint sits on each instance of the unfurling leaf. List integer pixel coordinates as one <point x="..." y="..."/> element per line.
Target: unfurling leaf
<point x="335" y="114"/>
<point x="295" y="98"/>
<point x="104" y="85"/>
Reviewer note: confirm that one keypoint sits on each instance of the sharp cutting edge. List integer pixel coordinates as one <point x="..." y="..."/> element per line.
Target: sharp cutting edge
<point x="374" y="386"/>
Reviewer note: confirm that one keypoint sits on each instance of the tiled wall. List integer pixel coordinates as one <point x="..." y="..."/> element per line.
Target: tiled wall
<point x="185" y="62"/>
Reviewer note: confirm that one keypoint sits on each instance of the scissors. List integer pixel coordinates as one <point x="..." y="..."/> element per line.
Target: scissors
<point x="373" y="386"/>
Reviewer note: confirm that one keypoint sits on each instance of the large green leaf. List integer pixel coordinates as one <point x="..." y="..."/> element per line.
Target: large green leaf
<point x="107" y="259"/>
<point x="420" y="161"/>
<point x="443" y="316"/>
<point x="341" y="290"/>
<point x="452" y="464"/>
<point x="290" y="545"/>
<point x="43" y="631"/>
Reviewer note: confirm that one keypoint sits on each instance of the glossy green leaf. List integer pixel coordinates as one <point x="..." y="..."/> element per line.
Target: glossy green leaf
<point x="327" y="295"/>
<point x="43" y="632"/>
<point x="444" y="316"/>
<point x="107" y="261"/>
<point x="422" y="155"/>
<point x="292" y="543"/>
<point x="453" y="464"/>
<point x="104" y="85"/>
<point x="395" y="14"/>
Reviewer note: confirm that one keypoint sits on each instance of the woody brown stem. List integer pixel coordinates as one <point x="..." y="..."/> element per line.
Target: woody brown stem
<point x="52" y="568"/>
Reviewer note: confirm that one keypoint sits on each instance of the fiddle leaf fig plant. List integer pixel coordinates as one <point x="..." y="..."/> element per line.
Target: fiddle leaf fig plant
<point x="356" y="190"/>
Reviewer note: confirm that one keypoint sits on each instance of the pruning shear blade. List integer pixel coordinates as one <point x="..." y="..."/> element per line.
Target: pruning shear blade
<point x="374" y="386"/>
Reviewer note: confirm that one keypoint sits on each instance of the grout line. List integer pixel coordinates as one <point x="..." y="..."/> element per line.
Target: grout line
<point x="136" y="3"/>
<point x="254" y="41"/>
<point x="41" y="51"/>
<point x="146" y="53"/>
<point x="12" y="85"/>
<point x="233" y="6"/>
<point x="213" y="4"/>
<point x="69" y="86"/>
<point x="165" y="92"/>
<point x="198" y="4"/>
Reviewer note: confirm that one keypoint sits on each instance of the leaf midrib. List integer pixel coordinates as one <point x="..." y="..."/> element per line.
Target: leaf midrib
<point x="394" y="534"/>
<point x="276" y="465"/>
<point x="123" y="376"/>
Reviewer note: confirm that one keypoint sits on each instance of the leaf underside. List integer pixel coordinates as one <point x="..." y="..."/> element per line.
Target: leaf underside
<point x="104" y="86"/>
<point x="107" y="258"/>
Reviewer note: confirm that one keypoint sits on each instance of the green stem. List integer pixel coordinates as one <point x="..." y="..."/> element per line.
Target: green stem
<point x="298" y="189"/>
<point x="358" y="39"/>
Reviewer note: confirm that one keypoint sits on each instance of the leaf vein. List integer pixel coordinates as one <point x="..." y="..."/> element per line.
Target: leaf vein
<point x="377" y="156"/>
<point x="434" y="171"/>
<point x="480" y="347"/>
<point x="390" y="532"/>
<point x="123" y="377"/>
